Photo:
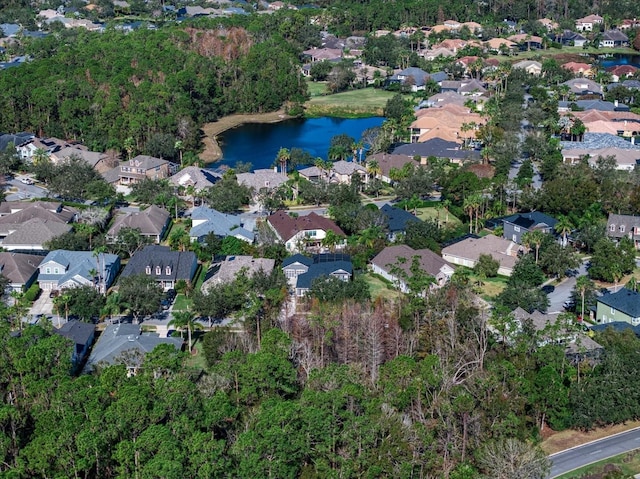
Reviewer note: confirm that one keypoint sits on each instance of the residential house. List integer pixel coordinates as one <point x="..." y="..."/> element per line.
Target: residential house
<point x="126" y="344"/>
<point x="593" y="104"/>
<point x="624" y="226"/>
<point x="62" y="269"/>
<point x="579" y="68"/>
<point x="466" y="87"/>
<point x="594" y="145"/>
<point x="578" y="346"/>
<point x="445" y="98"/>
<point x="226" y="269"/>
<point x="549" y="24"/>
<point x="82" y="335"/>
<point x="263" y="179"/>
<point x="620" y="72"/>
<point x="14" y="138"/>
<point x="569" y="38"/>
<point x="436" y="53"/>
<point x="196" y="177"/>
<point x="207" y="220"/>
<point x="583" y="86"/>
<point x="413" y="78"/>
<point x="588" y="23"/>
<point x="144" y="166"/>
<point x="613" y="39"/>
<point x="500" y="45"/>
<point x="20" y="269"/>
<point x="623" y="305"/>
<point x="438" y="148"/>
<point x="526" y="41"/>
<point x="98" y="161"/>
<point x="532" y="67"/>
<point x="453" y="44"/>
<point x="474" y="27"/>
<point x="323" y="54"/>
<point x="628" y="24"/>
<point x="384" y="163"/>
<point x="302" y="232"/>
<point x="467" y="252"/>
<point x="313" y="174"/>
<point x="397" y="220"/>
<point x="28" y="226"/>
<point x="301" y="271"/>
<point x="515" y="226"/>
<point x="395" y="263"/>
<point x="151" y="222"/>
<point x="450" y="122"/>
<point x="28" y="149"/>
<point x="343" y="172"/>
<point x="165" y="266"/>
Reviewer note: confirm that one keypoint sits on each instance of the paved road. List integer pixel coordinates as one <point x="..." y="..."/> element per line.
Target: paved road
<point x="24" y="192"/>
<point x="580" y="456"/>
<point x="563" y="290"/>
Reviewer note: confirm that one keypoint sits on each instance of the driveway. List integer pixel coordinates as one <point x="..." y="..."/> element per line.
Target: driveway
<point x="571" y="459"/>
<point x="42" y="305"/>
<point x="563" y="290"/>
<point x="17" y="191"/>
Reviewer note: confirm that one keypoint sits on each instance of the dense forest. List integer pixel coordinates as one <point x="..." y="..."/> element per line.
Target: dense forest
<point x="102" y="88"/>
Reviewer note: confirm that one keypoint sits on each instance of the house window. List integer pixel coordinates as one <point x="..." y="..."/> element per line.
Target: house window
<point x="310" y="233"/>
<point x="148" y="270"/>
<point x="168" y="270"/>
<point x="514" y="238"/>
<point x="158" y="270"/>
<point x="48" y="271"/>
<point x="613" y="311"/>
<point x="56" y="271"/>
<point x="516" y="229"/>
<point x="291" y="273"/>
<point x="612" y="227"/>
<point x="621" y="228"/>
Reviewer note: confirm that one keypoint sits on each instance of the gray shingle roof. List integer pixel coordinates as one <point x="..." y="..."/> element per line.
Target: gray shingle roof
<point x="150" y="222"/>
<point x="398" y="219"/>
<point x="220" y="224"/>
<point x="319" y="270"/>
<point x="625" y="301"/>
<point x="594" y="141"/>
<point x="118" y="338"/>
<point x="81" y="264"/>
<point x="438" y="148"/>
<point x="181" y="263"/>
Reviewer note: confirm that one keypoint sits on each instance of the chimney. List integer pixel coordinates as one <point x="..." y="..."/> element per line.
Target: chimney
<point x="615" y="103"/>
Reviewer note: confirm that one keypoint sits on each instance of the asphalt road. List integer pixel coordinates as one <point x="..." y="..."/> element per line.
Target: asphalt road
<point x="563" y="290"/>
<point x="580" y="456"/>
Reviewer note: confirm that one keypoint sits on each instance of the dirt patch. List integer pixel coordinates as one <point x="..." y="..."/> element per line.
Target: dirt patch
<point x="212" y="151"/>
<point x="559" y="441"/>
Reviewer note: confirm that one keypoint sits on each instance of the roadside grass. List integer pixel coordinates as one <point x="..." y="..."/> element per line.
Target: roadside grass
<point x="628" y="464"/>
<point x="490" y="287"/>
<point x="380" y="288"/>
<point x="353" y="103"/>
<point x="182" y="303"/>
<point x="559" y="441"/>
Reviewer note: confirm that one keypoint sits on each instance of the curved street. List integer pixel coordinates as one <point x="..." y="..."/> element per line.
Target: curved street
<point x="576" y="457"/>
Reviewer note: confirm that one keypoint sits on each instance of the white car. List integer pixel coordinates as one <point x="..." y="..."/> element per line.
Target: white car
<point x="26" y="181"/>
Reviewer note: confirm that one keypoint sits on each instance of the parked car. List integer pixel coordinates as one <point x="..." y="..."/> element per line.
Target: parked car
<point x="54" y="293"/>
<point x="548" y="288"/>
<point x="26" y="181"/>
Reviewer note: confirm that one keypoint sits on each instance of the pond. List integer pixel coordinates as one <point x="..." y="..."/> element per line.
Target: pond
<point x="619" y="59"/>
<point x="259" y="143"/>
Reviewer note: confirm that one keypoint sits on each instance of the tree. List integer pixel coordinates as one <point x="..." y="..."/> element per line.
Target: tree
<point x="185" y="320"/>
<point x="563" y="227"/>
<point x="583" y="287"/>
<point x="140" y="294"/>
<point x="611" y="261"/>
<point x="227" y="195"/>
<point x="283" y="157"/>
<point x="486" y="266"/>
<point x="512" y="458"/>
<point x="533" y="238"/>
<point x="84" y="302"/>
<point x="334" y="290"/>
<point x="556" y="260"/>
<point x="526" y="273"/>
<point x="423" y="234"/>
<point x="129" y="240"/>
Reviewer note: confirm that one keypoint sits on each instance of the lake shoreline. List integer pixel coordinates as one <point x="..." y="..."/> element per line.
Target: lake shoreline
<point x="212" y="151"/>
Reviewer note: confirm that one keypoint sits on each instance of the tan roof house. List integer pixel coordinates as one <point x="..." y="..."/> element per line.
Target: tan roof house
<point x="98" y="161"/>
<point x="532" y="67"/>
<point x="467" y="252"/>
<point x="394" y="264"/>
<point x="588" y="23"/>
<point x="144" y="166"/>
<point x="449" y="121"/>
<point x="386" y="162"/>
<point x="20" y="269"/>
<point x="227" y="269"/>
<point x="152" y="223"/>
<point x="579" y="68"/>
<point x="195" y="176"/>
<point x="549" y="24"/>
<point x="498" y="44"/>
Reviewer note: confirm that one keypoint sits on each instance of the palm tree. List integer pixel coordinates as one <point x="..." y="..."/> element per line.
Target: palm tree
<point x="373" y="169"/>
<point x="112" y="306"/>
<point x="185" y="320"/>
<point x="535" y="238"/>
<point x="446" y="204"/>
<point x="331" y="240"/>
<point x="583" y="284"/>
<point x="284" y="155"/>
<point x="469" y="207"/>
<point x="563" y="227"/>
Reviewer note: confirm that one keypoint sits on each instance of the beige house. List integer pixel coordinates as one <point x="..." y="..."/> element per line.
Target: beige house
<point x="468" y="251"/>
<point x="532" y="67"/>
<point x="588" y="23"/>
<point x="144" y="166"/>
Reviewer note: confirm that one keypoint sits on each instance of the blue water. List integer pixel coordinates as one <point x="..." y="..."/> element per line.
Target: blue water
<point x="259" y="143"/>
<point x="620" y="59"/>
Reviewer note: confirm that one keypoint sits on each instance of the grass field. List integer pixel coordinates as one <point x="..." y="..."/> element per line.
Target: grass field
<point x="564" y="51"/>
<point x="363" y="102"/>
<point x="197" y="360"/>
<point x="431" y="213"/>
<point x="379" y="288"/>
<point x="628" y="464"/>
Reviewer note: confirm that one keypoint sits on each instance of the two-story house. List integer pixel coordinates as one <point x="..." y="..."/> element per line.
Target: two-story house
<point x="517" y="225"/>
<point x="151" y="222"/>
<point x="614" y="38"/>
<point x="588" y="23"/>
<point x="621" y="306"/>
<point x="144" y="166"/>
<point x="62" y="269"/>
<point x="301" y="271"/>
<point x="207" y="220"/>
<point x="303" y="232"/>
<point x="624" y="226"/>
<point x="167" y="267"/>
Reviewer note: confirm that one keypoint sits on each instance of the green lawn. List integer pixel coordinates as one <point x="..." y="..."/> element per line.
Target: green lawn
<point x="431" y="213"/>
<point x="380" y="288"/>
<point x="562" y="51"/>
<point x="182" y="303"/>
<point x="317" y="88"/>
<point x="197" y="360"/>
<point x="629" y="464"/>
<point x="353" y="103"/>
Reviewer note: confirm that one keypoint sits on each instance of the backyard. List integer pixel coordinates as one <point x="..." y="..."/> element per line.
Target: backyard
<point x="353" y="103"/>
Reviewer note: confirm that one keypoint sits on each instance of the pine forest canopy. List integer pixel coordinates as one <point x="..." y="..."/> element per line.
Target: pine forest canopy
<point x="102" y="88"/>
